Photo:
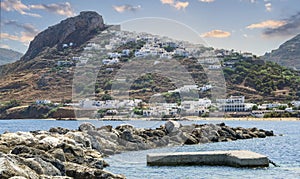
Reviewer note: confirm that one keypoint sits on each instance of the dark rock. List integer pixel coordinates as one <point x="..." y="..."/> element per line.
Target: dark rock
<point x="269" y="133"/>
<point x="87" y="127"/>
<point x="76" y="30"/>
<point x="59" y="130"/>
<point x="172" y="126"/>
<point x="191" y="140"/>
<point x="261" y="135"/>
<point x="127" y="135"/>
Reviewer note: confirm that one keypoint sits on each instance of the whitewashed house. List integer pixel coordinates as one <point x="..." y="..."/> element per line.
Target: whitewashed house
<point x="43" y="101"/>
<point x="214" y="67"/>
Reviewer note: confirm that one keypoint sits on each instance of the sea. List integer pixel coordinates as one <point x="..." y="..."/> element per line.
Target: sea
<point x="283" y="149"/>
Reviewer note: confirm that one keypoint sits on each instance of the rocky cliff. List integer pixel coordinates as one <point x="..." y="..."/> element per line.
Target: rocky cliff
<point x="73" y="31"/>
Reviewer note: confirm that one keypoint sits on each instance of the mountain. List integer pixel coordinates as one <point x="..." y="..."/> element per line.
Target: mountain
<point x="9" y="56"/>
<point x="288" y="54"/>
<point x="47" y="69"/>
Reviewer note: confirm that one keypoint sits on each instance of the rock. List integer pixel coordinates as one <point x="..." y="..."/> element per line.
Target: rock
<point x="59" y="154"/>
<point x="9" y="167"/>
<point x="124" y="127"/>
<point x="127" y="135"/>
<point x="87" y="127"/>
<point x="79" y="172"/>
<point x="191" y="140"/>
<point x="172" y="126"/>
<point x="269" y="133"/>
<point x="107" y="128"/>
<point x="48" y="168"/>
<point x="59" y="130"/>
<point x="76" y="30"/>
<point x="261" y="135"/>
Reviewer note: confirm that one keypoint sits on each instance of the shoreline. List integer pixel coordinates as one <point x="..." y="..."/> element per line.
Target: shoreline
<point x="188" y="118"/>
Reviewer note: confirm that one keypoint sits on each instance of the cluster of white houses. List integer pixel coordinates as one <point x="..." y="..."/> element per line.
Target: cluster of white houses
<point x="198" y="107"/>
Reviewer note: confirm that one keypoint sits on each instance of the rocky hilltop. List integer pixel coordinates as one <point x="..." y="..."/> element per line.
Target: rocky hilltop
<point x="288" y="54"/>
<point x="73" y="31"/>
<point x="79" y="153"/>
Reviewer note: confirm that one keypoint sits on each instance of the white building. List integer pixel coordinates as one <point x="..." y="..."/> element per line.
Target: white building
<point x="296" y="104"/>
<point x="232" y="104"/>
<point x="44" y="101"/>
<point x="214" y="67"/>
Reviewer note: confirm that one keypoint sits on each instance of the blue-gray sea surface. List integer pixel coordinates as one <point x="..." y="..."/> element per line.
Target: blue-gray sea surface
<point x="283" y="149"/>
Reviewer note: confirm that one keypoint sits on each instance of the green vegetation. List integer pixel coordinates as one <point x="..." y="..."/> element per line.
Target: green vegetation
<point x="264" y="77"/>
<point x="9" y="104"/>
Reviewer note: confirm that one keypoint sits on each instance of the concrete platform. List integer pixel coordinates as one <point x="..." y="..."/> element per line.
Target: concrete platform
<point x="234" y="158"/>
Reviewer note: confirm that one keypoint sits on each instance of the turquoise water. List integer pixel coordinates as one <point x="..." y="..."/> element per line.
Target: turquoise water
<point x="283" y="149"/>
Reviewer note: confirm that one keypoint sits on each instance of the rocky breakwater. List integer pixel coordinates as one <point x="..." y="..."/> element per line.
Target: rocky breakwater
<point x="109" y="140"/>
<point x="79" y="153"/>
<point x="57" y="153"/>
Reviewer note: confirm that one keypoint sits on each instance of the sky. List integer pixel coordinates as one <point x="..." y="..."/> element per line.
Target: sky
<point x="255" y="26"/>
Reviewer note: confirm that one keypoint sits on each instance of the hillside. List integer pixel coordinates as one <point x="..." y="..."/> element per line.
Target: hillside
<point x="49" y="73"/>
<point x="288" y="54"/>
<point x="9" y="56"/>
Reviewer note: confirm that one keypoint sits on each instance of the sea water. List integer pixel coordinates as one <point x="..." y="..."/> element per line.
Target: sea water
<point x="283" y="149"/>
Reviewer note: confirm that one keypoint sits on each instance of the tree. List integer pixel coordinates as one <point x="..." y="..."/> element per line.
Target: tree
<point x="255" y="107"/>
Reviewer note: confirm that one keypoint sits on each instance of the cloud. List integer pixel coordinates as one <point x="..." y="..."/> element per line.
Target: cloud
<point x="64" y="9"/>
<point x="167" y="1"/>
<point x="5" y="46"/>
<point x="126" y="7"/>
<point x="24" y="38"/>
<point x="17" y="5"/>
<point x="28" y="32"/>
<point x="216" y="34"/>
<point x="268" y="7"/>
<point x="290" y="27"/>
<point x="208" y="1"/>
<point x="181" y="5"/>
<point x="8" y="36"/>
<point x="267" y="24"/>
<point x="27" y="27"/>
<point x="176" y="4"/>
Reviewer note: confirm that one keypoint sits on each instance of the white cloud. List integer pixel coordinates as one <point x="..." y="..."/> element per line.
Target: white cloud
<point x="181" y="5"/>
<point x="208" y="1"/>
<point x="267" y="24"/>
<point x="64" y="9"/>
<point x="5" y="46"/>
<point x="17" y="5"/>
<point x="8" y="36"/>
<point x="167" y="1"/>
<point x="216" y="34"/>
<point x="268" y="7"/>
<point x="27" y="33"/>
<point x="176" y="4"/>
<point x="126" y="7"/>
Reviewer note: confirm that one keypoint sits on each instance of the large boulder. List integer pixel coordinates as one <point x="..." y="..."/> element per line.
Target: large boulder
<point x="172" y="126"/>
<point x="87" y="127"/>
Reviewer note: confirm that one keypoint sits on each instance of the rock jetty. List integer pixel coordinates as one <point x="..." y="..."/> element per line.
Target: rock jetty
<point x="80" y="153"/>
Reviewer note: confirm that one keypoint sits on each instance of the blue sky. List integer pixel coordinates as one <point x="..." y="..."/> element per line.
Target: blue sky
<point x="256" y="26"/>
